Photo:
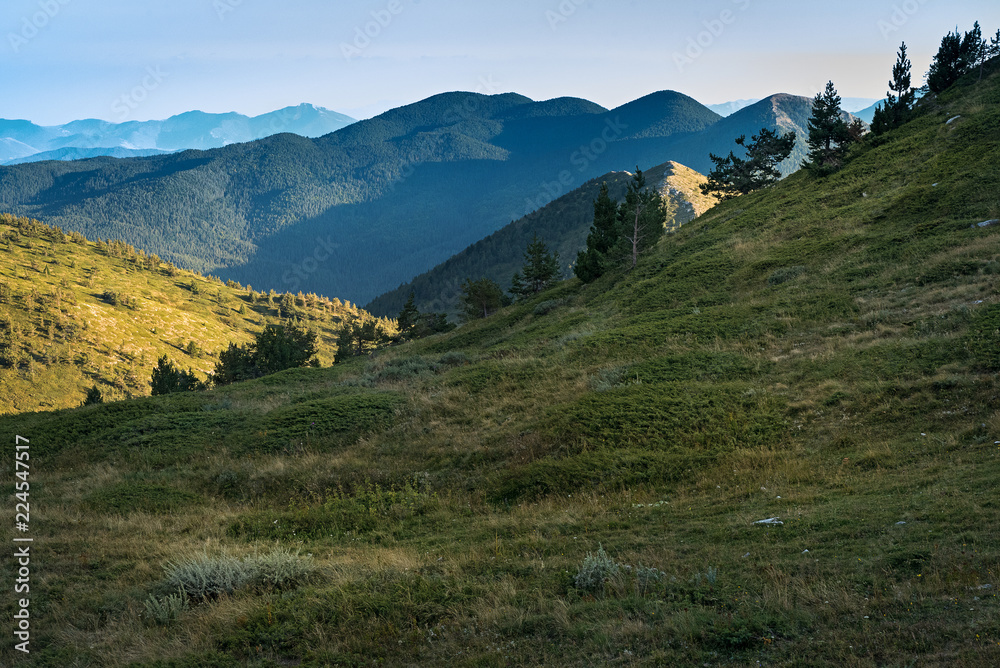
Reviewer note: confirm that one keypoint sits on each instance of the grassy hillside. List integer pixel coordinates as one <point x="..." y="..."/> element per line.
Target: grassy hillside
<point x="578" y="480"/>
<point x="62" y="330"/>
<point x="563" y="225"/>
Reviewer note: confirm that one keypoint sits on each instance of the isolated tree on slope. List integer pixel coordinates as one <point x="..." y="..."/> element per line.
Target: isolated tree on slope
<point x="641" y="218"/>
<point x="481" y="299"/>
<point x="407" y="318"/>
<point x="358" y="338"/>
<point x="539" y="272"/>
<point x="167" y="379"/>
<point x="974" y="50"/>
<point x="828" y="133"/>
<point x="278" y="348"/>
<point x="956" y="56"/>
<point x="734" y="176"/>
<point x="899" y="100"/>
<point x="274" y="349"/>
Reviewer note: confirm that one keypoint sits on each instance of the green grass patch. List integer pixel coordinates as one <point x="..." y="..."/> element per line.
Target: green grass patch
<point x="131" y="497"/>
<point x="665" y="416"/>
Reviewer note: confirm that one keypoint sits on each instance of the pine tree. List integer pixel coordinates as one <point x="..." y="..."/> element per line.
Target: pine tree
<point x="358" y="338"/>
<point x="94" y="396"/>
<point x="407" y="318"/>
<point x="345" y="343"/>
<point x="539" y="272"/>
<point x="167" y="379"/>
<point x="974" y="50"/>
<point x="604" y="234"/>
<point x="481" y="299"/>
<point x="900" y="98"/>
<point x="641" y="219"/>
<point x="275" y="348"/>
<point x="734" y="176"/>
<point x="947" y="66"/>
<point x="828" y="133"/>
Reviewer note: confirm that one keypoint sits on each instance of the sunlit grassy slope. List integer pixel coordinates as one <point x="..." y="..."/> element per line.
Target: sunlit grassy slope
<point x="823" y="353"/>
<point x="61" y="333"/>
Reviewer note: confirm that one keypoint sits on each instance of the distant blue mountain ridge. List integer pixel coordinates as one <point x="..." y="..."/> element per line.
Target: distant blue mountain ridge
<point x="23" y="141"/>
<point x="862" y="107"/>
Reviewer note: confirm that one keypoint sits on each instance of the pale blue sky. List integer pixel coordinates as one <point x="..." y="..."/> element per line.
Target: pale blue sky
<point x="117" y="60"/>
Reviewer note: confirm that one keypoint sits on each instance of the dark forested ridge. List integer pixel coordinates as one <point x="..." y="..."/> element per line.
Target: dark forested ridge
<point x="366" y="208"/>
<point x="562" y="224"/>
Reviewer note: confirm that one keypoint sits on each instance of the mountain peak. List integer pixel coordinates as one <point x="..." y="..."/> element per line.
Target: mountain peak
<point x="663" y="114"/>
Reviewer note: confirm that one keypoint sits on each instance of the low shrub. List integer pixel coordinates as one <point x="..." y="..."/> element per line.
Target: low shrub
<point x="546" y="307"/>
<point x="167" y="609"/>
<point x="208" y="577"/>
<point x="595" y="571"/>
<point x="454" y="358"/>
<point x="785" y="274"/>
<point x="130" y="497"/>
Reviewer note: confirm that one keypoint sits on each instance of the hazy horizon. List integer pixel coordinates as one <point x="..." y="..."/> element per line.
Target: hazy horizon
<point x="67" y="60"/>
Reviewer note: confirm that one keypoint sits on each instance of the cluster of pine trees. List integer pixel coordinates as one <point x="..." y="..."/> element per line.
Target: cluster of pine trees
<point x="540" y="271"/>
<point x="831" y="136"/>
<point x="622" y="232"/>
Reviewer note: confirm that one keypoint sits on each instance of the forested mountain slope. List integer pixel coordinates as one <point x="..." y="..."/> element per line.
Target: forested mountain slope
<point x="400" y="192"/>
<point x="364" y="209"/>
<point x="562" y="224"/>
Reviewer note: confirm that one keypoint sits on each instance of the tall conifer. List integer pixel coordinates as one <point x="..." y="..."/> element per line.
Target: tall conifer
<point x="828" y="133"/>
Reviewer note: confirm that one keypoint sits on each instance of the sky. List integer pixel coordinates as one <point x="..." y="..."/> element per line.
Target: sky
<point x="123" y="60"/>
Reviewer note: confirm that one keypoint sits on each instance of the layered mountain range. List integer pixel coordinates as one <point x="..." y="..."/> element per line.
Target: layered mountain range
<point x="358" y="212"/>
<point x="23" y="141"/>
